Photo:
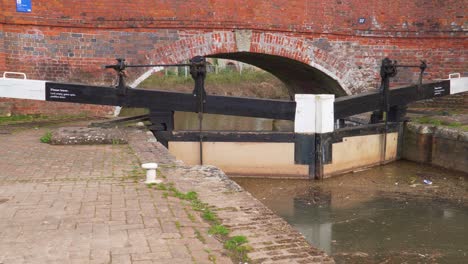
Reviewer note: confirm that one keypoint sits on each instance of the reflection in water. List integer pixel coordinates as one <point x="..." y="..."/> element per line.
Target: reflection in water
<point x="383" y="214"/>
<point x="189" y="121"/>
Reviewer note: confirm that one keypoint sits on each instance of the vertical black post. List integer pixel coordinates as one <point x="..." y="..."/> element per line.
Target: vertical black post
<point x="323" y="153"/>
<point x="397" y="113"/>
<point x="341" y="123"/>
<point x="318" y="157"/>
<point x="304" y="151"/>
<point x="388" y="69"/>
<point x="422" y="68"/>
<point x="198" y="73"/>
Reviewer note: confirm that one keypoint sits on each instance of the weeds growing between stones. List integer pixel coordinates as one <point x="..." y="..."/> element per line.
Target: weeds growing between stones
<point x="46" y="138"/>
<point x="235" y="245"/>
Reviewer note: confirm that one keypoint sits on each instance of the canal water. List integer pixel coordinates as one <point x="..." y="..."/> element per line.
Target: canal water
<point x="189" y="121"/>
<point x="381" y="215"/>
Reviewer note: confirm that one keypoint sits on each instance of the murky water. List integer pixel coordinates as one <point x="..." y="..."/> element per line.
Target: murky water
<point x="189" y="121"/>
<point x="382" y="215"/>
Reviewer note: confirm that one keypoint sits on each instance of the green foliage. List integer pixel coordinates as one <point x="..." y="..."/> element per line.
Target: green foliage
<point x="18" y="118"/>
<point x="191" y="196"/>
<point x="237" y="247"/>
<point x="219" y="230"/>
<point x="429" y="120"/>
<point x="116" y="141"/>
<point x="208" y="215"/>
<point x="161" y="186"/>
<point x="437" y="122"/>
<point x="255" y="83"/>
<point x="46" y="138"/>
<point x="455" y="124"/>
<point x="132" y="111"/>
<point x="212" y="258"/>
<point x="14" y="119"/>
<point x="198" y="205"/>
<point x="191" y="217"/>
<point x="228" y="76"/>
<point x="238" y="251"/>
<point x="234" y="242"/>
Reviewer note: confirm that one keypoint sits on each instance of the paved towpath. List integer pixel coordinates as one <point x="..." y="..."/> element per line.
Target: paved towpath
<point x="86" y="204"/>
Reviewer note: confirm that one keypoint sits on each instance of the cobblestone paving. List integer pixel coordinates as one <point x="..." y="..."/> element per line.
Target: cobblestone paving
<point x="86" y="204"/>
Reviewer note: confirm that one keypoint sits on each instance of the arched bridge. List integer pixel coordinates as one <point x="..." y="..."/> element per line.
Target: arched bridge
<point x="313" y="46"/>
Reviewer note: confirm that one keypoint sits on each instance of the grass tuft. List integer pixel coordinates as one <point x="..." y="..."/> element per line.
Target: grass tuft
<point x="219" y="230"/>
<point x="238" y="251"/>
<point x="235" y="242"/>
<point x="208" y="215"/>
<point x="437" y="122"/>
<point x="47" y="137"/>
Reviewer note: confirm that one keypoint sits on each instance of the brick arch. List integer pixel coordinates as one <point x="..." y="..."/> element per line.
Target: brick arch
<point x="277" y="45"/>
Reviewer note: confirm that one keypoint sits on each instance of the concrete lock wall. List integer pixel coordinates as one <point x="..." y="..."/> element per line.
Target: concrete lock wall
<point x="438" y="146"/>
<point x="276" y="160"/>
<point x="361" y="151"/>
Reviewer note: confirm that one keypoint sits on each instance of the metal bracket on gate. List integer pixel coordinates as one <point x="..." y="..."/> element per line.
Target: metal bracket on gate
<point x="197" y="71"/>
<point x="120" y="67"/>
<point x="388" y="69"/>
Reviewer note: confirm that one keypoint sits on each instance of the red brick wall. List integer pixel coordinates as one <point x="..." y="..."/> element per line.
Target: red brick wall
<point x="71" y="40"/>
<point x="56" y="108"/>
<point x="333" y="16"/>
<point x="2" y="48"/>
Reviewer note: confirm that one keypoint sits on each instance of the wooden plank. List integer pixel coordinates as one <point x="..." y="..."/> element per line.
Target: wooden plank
<point x="238" y="106"/>
<point x="226" y="136"/>
<point x="362" y="130"/>
<point x="370" y="101"/>
<point x="172" y="101"/>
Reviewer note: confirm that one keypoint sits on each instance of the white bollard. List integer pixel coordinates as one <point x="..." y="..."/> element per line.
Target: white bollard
<point x="151" y="172"/>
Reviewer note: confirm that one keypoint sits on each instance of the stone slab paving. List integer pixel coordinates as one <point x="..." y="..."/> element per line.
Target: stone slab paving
<point x="86" y="204"/>
<point x="273" y="240"/>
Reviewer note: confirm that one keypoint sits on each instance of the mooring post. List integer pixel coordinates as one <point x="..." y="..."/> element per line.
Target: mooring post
<point x="151" y="173"/>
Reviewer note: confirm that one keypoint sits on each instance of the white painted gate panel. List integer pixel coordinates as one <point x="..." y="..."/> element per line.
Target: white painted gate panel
<point x="22" y="89"/>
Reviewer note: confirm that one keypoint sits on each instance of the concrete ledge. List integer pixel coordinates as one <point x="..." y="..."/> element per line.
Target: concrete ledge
<point x="87" y="136"/>
<point x="440" y="146"/>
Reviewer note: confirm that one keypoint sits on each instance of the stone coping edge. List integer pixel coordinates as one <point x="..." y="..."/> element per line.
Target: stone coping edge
<point x="272" y="239"/>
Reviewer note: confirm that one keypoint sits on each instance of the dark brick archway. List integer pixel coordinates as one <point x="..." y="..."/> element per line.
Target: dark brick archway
<point x="298" y="77"/>
<point x="302" y="65"/>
